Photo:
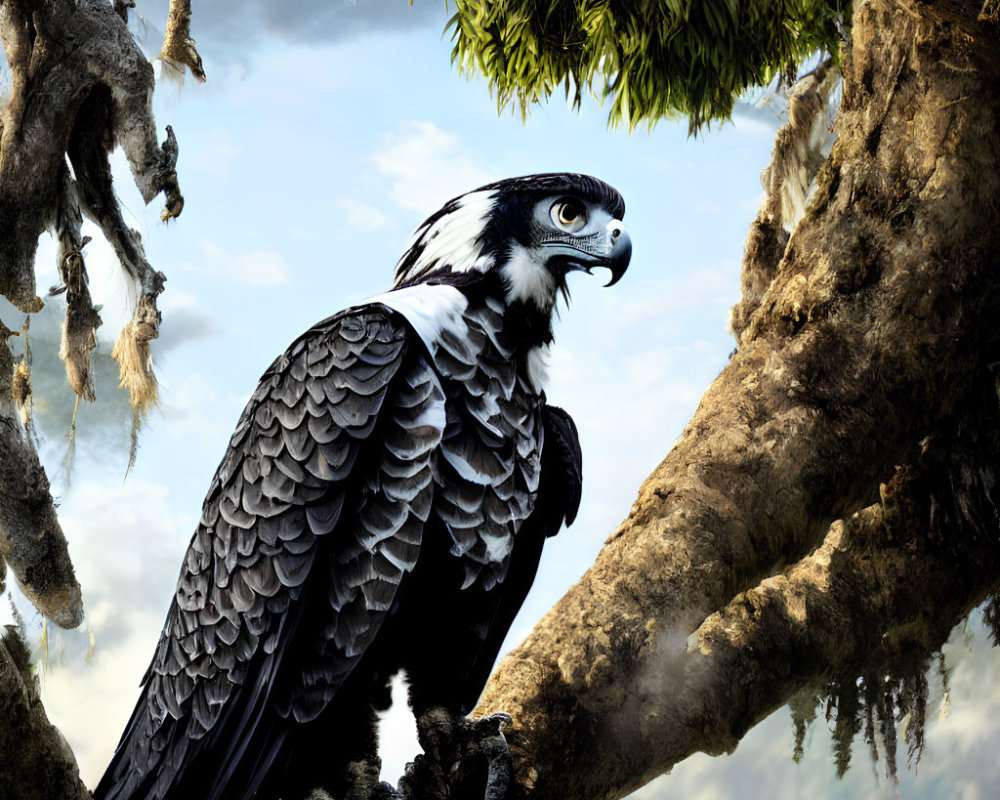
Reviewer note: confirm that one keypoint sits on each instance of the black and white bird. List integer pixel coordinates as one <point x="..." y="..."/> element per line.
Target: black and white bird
<point x="381" y="506"/>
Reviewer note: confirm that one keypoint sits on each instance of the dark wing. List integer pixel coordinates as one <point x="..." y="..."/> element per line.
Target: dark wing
<point x="314" y="517"/>
<point x="558" y="501"/>
<point x="561" y="481"/>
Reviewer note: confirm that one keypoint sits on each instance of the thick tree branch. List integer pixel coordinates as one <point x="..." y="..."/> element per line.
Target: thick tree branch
<point x="876" y="590"/>
<point x="80" y="86"/>
<point x="60" y="53"/>
<point x="800" y="148"/>
<point x="876" y="326"/>
<point x="35" y="761"/>
<point x="31" y="541"/>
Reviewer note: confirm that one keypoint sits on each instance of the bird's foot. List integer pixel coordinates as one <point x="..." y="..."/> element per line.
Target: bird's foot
<point x="484" y="741"/>
<point x="364" y="781"/>
<point x="463" y="759"/>
<point x="426" y="777"/>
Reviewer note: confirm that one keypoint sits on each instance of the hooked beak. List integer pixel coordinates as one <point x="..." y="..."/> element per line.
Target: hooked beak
<point x="613" y="250"/>
<point x="620" y="253"/>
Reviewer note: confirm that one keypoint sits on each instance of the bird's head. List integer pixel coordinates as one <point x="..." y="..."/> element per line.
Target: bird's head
<point x="526" y="234"/>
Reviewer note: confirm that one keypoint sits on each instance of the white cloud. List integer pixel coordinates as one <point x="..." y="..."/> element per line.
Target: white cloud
<point x="256" y="268"/>
<point x="362" y="216"/>
<point x="91" y="703"/>
<point x="427" y="166"/>
<point x="213" y="152"/>
<point x="196" y="408"/>
<point x="178" y="300"/>
<point x="760" y="122"/>
<point x="231" y="27"/>
<point x="125" y="540"/>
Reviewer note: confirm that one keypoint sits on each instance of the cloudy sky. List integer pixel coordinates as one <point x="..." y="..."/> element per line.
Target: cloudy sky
<point x="319" y="142"/>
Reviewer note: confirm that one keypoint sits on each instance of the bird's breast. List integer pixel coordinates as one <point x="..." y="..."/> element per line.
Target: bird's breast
<point x="490" y="453"/>
<point x="489" y="457"/>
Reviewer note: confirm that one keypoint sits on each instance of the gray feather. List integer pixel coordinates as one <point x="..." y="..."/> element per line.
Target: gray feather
<point x="352" y="441"/>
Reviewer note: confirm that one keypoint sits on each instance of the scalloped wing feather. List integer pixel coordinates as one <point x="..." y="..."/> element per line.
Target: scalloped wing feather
<point x="271" y="537"/>
<point x="366" y="430"/>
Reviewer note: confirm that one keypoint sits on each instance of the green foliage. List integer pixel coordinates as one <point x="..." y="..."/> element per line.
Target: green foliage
<point x="651" y="58"/>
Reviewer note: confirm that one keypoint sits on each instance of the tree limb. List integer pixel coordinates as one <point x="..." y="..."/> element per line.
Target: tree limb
<point x="31" y="541"/>
<point x="40" y="39"/>
<point x="80" y="86"/>
<point x="878" y="324"/>
<point x="35" y="761"/>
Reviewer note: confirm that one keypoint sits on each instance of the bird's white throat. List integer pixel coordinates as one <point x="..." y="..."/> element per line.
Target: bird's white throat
<point x="527" y="279"/>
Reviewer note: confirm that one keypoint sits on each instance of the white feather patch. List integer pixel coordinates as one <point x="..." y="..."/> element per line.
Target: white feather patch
<point x="430" y="309"/>
<point x="465" y="469"/>
<point x="433" y="415"/>
<point x="538" y="367"/>
<point x="453" y="240"/>
<point x="528" y="279"/>
<point x="498" y="546"/>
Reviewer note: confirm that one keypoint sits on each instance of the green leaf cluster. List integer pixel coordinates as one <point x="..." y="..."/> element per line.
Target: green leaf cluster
<point x="650" y="58"/>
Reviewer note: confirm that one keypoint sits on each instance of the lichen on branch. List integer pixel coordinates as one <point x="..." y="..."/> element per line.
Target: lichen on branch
<point x="68" y="108"/>
<point x="178" y="48"/>
<point x="96" y="97"/>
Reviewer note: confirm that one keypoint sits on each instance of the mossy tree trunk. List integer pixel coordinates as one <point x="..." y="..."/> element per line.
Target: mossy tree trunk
<point x="863" y="390"/>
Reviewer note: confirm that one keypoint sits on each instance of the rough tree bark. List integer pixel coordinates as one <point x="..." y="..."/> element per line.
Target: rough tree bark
<point x="35" y="761"/>
<point x="866" y="343"/>
<point x="80" y="86"/>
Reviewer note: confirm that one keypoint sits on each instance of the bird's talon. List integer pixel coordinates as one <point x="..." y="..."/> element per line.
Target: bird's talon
<point x="502" y="719"/>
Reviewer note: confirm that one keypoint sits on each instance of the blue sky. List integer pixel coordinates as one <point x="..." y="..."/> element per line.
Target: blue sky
<point x="314" y="149"/>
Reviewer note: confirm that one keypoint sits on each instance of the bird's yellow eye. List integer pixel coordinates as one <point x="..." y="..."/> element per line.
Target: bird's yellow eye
<point x="568" y="215"/>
